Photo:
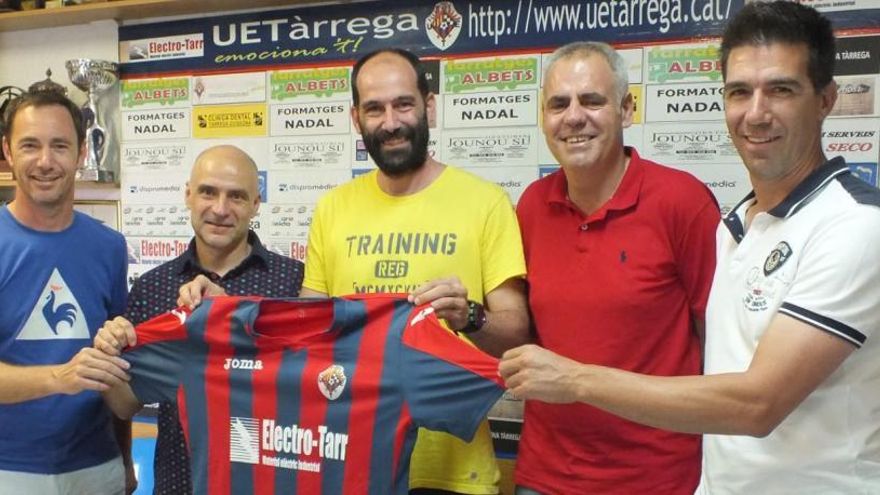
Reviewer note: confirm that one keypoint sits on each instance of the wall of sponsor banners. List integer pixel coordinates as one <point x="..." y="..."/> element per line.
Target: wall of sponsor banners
<point x="276" y="83"/>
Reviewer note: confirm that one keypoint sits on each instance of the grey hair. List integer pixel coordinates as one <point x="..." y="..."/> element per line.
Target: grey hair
<point x="585" y="48"/>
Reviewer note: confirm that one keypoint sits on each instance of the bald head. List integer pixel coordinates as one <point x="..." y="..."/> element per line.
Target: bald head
<point x="223" y="196"/>
<point x="225" y="155"/>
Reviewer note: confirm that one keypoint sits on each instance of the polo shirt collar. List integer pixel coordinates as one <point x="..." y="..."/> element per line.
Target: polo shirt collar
<point x="796" y="199"/>
<point x="259" y="254"/>
<point x="626" y="196"/>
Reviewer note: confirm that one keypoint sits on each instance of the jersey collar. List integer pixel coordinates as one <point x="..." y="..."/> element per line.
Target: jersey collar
<point x="259" y="254"/>
<point x="802" y="194"/>
<point x="626" y="196"/>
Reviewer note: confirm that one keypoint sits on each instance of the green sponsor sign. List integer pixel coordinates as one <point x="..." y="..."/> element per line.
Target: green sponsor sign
<point x="310" y="82"/>
<point x="679" y="64"/>
<point x="498" y="73"/>
<point x="162" y="92"/>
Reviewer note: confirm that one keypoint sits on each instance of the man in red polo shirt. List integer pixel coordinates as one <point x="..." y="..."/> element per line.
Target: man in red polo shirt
<point x="620" y="257"/>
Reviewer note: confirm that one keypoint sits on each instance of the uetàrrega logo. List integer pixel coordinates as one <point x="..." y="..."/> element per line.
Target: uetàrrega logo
<point x="443" y="25"/>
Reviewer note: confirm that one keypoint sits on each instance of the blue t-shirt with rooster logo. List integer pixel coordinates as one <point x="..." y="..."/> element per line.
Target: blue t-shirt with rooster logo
<point x="56" y="290"/>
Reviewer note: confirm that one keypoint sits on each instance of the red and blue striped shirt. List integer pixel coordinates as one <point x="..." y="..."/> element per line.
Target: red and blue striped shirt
<point x="310" y="395"/>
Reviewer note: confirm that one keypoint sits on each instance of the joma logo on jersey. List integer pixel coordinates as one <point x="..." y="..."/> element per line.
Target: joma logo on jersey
<point x="242" y="364"/>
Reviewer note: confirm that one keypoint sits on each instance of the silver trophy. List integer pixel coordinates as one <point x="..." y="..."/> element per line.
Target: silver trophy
<point x="93" y="77"/>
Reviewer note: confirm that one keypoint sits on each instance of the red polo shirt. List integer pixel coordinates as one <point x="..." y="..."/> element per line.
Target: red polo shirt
<point x="618" y="288"/>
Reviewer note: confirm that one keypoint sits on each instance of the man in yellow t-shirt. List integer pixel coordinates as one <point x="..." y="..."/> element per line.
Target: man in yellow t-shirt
<point x="418" y="227"/>
<point x="435" y="232"/>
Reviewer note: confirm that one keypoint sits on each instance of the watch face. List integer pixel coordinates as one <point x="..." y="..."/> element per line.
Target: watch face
<point x="476" y="317"/>
<point x="480" y="316"/>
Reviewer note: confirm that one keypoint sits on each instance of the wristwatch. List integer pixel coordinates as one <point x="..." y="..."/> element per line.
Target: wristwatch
<point x="476" y="318"/>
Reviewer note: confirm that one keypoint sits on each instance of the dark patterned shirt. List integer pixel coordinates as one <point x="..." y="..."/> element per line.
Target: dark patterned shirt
<point x="261" y="274"/>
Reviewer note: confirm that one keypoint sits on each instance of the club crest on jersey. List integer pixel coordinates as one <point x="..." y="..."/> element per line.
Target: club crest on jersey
<point x="443" y="25"/>
<point x="331" y="381"/>
<point x="777" y="258"/>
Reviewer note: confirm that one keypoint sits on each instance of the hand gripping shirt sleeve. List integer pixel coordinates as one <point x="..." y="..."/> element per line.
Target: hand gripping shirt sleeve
<point x="449" y="385"/>
<point x="157" y="358"/>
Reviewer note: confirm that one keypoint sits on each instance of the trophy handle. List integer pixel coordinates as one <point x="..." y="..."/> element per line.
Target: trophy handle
<point x="88" y="116"/>
<point x="96" y="138"/>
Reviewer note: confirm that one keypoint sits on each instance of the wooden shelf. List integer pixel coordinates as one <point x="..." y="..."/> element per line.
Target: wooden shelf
<point x="9" y="183"/>
<point x="121" y="10"/>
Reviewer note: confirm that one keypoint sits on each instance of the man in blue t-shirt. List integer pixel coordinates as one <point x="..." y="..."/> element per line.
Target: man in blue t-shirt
<point x="62" y="274"/>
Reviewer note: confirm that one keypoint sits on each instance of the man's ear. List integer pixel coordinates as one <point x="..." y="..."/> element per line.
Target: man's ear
<point x="627" y="109"/>
<point x="354" y="119"/>
<point x="5" y="148"/>
<point x="827" y="98"/>
<point x="186" y="196"/>
<point x="431" y="108"/>
<point x="257" y="202"/>
<point x="82" y="154"/>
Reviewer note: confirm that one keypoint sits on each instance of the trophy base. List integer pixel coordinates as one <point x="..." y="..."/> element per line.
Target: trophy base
<point x="95" y="175"/>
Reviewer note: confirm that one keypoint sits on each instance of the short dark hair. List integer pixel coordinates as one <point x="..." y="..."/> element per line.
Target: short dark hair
<point x="421" y="77"/>
<point x="784" y="21"/>
<point x="44" y="99"/>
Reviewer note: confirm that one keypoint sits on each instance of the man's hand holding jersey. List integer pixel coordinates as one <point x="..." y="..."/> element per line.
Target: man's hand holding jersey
<point x="114" y="336"/>
<point x="191" y="293"/>
<point x="532" y="372"/>
<point x="111" y="339"/>
<point x="449" y="298"/>
<point x="88" y="370"/>
<point x="501" y="325"/>
<point x="504" y="323"/>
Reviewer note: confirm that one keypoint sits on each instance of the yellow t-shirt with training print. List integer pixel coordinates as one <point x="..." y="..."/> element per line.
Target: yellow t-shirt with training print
<point x="364" y="240"/>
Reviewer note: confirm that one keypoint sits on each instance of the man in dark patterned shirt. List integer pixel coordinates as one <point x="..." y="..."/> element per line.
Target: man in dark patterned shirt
<point x="222" y="197"/>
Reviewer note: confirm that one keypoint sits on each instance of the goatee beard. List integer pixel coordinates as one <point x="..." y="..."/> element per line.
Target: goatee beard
<point x="400" y="161"/>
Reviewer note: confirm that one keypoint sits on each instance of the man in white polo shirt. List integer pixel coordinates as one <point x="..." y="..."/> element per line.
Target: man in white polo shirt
<point x="790" y="402"/>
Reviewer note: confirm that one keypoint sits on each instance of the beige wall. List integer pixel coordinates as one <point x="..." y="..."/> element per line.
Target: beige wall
<point x="25" y="56"/>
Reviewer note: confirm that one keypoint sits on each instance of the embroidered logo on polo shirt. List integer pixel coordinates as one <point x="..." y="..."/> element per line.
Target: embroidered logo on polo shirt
<point x="777" y="258"/>
<point x="768" y="283"/>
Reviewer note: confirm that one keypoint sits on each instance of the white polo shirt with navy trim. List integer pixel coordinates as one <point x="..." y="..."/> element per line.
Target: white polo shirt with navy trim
<point x="816" y="258"/>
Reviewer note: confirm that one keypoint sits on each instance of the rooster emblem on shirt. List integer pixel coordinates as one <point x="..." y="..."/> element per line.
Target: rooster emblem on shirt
<point x="65" y="312"/>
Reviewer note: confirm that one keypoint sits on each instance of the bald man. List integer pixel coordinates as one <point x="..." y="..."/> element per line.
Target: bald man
<point x="222" y="197"/>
